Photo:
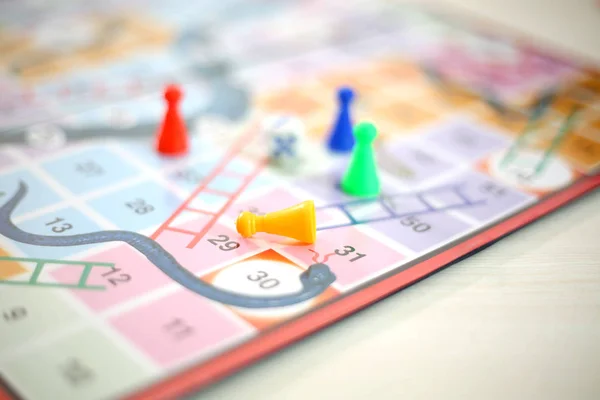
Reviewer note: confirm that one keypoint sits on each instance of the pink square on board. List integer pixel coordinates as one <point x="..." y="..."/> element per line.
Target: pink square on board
<point x="359" y="257"/>
<point x="193" y="221"/>
<point x="180" y="326"/>
<point x="217" y="246"/>
<point x="134" y="275"/>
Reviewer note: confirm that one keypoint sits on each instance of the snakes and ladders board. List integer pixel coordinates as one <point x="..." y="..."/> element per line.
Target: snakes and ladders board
<point x="121" y="272"/>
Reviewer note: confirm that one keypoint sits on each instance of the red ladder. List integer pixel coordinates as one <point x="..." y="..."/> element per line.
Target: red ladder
<point x="240" y="144"/>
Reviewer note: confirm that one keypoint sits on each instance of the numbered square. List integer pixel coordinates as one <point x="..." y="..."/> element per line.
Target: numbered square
<point x="132" y="276"/>
<point x="28" y="311"/>
<point x="89" y="169"/>
<point x="85" y="365"/>
<point x="197" y="255"/>
<point x="180" y="327"/>
<point x="422" y="231"/>
<point x="65" y="221"/>
<point x="353" y="256"/>
<point x="266" y="275"/>
<point x="138" y="207"/>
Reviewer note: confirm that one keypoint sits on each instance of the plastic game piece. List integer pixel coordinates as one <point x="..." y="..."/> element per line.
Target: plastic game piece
<point x="172" y="136"/>
<point x="361" y="177"/>
<point x="285" y="135"/>
<point x="296" y="222"/>
<point x="341" y="139"/>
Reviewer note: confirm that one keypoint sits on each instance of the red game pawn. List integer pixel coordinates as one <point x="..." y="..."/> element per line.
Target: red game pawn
<point x="172" y="136"/>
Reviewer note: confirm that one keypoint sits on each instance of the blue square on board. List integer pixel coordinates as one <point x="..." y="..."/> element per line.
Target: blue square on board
<point x="39" y="194"/>
<point x="60" y="224"/>
<point x="89" y="170"/>
<point x="139" y="207"/>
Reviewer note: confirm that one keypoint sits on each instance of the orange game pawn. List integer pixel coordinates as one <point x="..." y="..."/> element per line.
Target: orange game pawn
<point x="296" y="222"/>
<point x="172" y="137"/>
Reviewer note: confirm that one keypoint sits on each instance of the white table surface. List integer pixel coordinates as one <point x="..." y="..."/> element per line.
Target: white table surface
<point x="520" y="320"/>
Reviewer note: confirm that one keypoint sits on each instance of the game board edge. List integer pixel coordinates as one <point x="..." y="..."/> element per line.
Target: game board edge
<point x="207" y="373"/>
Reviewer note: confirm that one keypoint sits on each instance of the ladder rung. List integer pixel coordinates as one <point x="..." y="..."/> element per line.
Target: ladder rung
<point x="217" y="192"/>
<point x="387" y="207"/>
<point x="232" y="174"/>
<point x="421" y="198"/>
<point x="347" y="213"/>
<point x="197" y="210"/>
<point x="185" y="231"/>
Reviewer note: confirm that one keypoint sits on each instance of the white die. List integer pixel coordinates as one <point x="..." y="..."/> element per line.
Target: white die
<point x="285" y="135"/>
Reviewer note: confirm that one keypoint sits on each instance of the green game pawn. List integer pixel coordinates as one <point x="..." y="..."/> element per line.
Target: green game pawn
<point x="361" y="176"/>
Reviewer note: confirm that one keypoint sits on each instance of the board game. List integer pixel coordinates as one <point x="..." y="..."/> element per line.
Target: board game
<point x="123" y="273"/>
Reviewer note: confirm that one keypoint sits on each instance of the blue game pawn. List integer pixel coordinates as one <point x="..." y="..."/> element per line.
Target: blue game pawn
<point x="341" y="139"/>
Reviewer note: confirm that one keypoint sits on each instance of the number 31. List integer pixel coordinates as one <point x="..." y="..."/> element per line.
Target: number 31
<point x="347" y="250"/>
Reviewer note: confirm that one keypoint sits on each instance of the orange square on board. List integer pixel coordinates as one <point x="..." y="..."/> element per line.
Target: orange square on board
<point x="512" y="123"/>
<point x="445" y="98"/>
<point x="398" y="70"/>
<point x="294" y="100"/>
<point x="591" y="83"/>
<point x="581" y="151"/>
<point x="9" y="268"/>
<point x="266" y="274"/>
<point x="403" y="114"/>
<point x="362" y="80"/>
<point x="565" y="105"/>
